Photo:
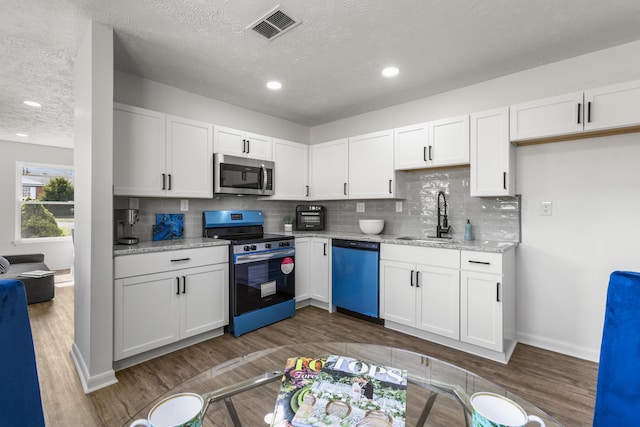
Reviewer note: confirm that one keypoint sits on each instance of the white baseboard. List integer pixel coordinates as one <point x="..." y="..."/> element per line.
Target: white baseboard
<point x="90" y="383"/>
<point x="560" y="347"/>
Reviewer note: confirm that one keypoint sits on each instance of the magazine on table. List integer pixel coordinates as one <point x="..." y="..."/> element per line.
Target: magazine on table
<point x="352" y="392"/>
<point x="297" y="377"/>
<point x="37" y="273"/>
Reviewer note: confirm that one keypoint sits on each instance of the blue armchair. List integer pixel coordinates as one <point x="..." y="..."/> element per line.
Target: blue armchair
<point x="20" y="401"/>
<point x="618" y="388"/>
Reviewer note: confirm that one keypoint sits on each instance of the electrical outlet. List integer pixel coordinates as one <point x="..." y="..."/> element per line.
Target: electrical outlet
<point x="360" y="207"/>
<point x="546" y="208"/>
<point x="398" y="206"/>
<point x="184" y="205"/>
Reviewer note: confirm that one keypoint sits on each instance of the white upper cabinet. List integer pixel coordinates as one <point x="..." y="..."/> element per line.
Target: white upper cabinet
<point x="449" y="141"/>
<point x="605" y="108"/>
<point x="433" y="144"/>
<point x="612" y="106"/>
<point x="371" y="170"/>
<point x="411" y="144"/>
<point x="560" y="115"/>
<point x="189" y="158"/>
<point x="492" y="154"/>
<point x="159" y="155"/>
<point x="243" y="144"/>
<point x="291" y="173"/>
<point x="329" y="170"/>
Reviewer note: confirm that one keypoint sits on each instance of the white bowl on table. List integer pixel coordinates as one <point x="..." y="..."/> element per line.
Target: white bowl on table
<point x="371" y="226"/>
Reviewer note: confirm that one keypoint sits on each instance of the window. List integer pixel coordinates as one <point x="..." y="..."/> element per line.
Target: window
<point x="45" y="201"/>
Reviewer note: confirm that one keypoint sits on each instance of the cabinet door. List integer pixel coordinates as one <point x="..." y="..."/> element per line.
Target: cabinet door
<point x="329" y="166"/>
<point x="449" y="141"/>
<point x="410" y="146"/>
<point x="481" y="310"/>
<point x="319" y="268"/>
<point x="145" y="313"/>
<point x="303" y="268"/>
<point x="613" y="106"/>
<point x="371" y="171"/>
<point x="229" y="141"/>
<point x="560" y="115"/>
<point x="259" y="146"/>
<point x="397" y="293"/>
<point x="291" y="170"/>
<point x="138" y="151"/>
<point x="492" y="155"/>
<point x="189" y="158"/>
<point x="204" y="299"/>
<point x="439" y="293"/>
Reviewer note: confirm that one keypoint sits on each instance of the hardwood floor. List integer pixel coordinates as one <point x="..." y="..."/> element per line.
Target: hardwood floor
<point x="562" y="386"/>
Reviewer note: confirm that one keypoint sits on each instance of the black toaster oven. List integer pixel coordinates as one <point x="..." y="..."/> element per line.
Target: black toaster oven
<point x="310" y="217"/>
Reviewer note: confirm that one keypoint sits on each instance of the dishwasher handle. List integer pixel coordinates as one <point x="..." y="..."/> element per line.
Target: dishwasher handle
<point x="356" y="244"/>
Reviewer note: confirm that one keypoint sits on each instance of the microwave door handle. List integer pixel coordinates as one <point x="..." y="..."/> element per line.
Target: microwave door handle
<point x="263" y="178"/>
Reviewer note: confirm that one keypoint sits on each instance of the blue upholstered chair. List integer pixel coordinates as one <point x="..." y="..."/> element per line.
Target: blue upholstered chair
<point x="618" y="389"/>
<point x="20" y="401"/>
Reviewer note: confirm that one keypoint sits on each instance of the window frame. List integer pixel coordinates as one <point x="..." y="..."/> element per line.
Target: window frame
<point x="20" y="165"/>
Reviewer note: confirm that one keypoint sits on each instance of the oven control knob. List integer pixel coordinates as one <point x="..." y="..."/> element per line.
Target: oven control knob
<point x="267" y="245"/>
<point x="284" y="243"/>
<point x="247" y="248"/>
<point x="253" y="247"/>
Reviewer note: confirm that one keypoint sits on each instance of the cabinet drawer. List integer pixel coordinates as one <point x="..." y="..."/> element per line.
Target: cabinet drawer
<point x="447" y="258"/>
<point x="156" y="262"/>
<point x="481" y="261"/>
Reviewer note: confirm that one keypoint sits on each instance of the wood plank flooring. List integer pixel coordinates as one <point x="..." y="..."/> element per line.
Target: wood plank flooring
<point x="561" y="385"/>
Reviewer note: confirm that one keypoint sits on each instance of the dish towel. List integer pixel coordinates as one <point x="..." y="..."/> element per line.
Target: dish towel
<point x="618" y="389"/>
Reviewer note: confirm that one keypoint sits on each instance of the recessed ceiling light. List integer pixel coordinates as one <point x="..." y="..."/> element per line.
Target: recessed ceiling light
<point x="390" y="72"/>
<point x="33" y="104"/>
<point x="274" y="85"/>
<point x="24" y="135"/>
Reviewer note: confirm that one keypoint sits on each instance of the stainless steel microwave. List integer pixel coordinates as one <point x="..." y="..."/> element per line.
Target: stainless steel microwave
<point x="241" y="175"/>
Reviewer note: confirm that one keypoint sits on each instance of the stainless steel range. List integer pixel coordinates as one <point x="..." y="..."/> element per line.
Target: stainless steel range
<point x="261" y="269"/>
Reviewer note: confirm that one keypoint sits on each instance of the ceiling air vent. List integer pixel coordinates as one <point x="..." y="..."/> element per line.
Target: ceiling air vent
<point x="274" y="24"/>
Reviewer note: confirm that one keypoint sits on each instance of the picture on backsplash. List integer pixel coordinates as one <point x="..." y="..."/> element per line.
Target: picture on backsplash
<point x="168" y="227"/>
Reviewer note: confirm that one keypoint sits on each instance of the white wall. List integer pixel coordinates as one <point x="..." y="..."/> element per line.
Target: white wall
<point x="564" y="261"/>
<point x="58" y="254"/>
<point x="133" y="90"/>
<point x="92" y="349"/>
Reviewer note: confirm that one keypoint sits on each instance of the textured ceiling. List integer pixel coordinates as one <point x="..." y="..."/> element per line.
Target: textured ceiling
<point x="329" y="65"/>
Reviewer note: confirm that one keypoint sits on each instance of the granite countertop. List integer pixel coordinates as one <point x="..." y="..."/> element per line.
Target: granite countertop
<point x="202" y="242"/>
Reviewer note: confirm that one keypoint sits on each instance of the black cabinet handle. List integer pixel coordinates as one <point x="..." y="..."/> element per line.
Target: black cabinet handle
<point x="579" y="111"/>
<point x="164" y="181"/>
<point x="244" y="145"/>
<point x="248" y="146"/>
<point x="390" y="192"/>
<point x="479" y="262"/>
<point x="424" y="154"/>
<point x="430" y="153"/>
<point x="169" y="182"/>
<point x="307" y="191"/>
<point x="345" y="189"/>
<point x="184" y="284"/>
<point x="180" y="259"/>
<point x="324" y="250"/>
<point x="504" y="180"/>
<point x="417" y="278"/>
<point x="498" y="292"/>
<point x="412" y="271"/>
<point x="177" y="286"/>
<point x="589" y="112"/>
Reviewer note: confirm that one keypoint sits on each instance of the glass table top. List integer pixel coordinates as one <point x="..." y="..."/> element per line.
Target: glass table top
<point x="242" y="392"/>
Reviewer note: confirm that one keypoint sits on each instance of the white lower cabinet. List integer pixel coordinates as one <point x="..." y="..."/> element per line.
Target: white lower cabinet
<point x="312" y="269"/>
<point x="153" y="308"/>
<point x="416" y="294"/>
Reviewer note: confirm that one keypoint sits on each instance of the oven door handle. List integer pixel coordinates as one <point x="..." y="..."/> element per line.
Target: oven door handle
<point x="243" y="259"/>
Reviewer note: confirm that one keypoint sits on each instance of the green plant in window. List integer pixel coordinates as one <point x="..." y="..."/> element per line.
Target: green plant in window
<point x="37" y="221"/>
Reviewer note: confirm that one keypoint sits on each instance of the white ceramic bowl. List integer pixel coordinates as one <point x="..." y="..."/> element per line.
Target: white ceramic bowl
<point x="371" y="226"/>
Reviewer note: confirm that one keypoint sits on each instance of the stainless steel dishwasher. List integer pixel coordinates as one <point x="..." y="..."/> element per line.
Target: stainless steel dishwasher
<point x="355" y="279"/>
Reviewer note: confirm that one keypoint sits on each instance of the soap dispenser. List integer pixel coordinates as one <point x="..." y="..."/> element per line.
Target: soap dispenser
<point x="467" y="230"/>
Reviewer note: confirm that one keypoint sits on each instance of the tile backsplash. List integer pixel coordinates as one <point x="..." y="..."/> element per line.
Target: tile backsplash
<point x="492" y="218"/>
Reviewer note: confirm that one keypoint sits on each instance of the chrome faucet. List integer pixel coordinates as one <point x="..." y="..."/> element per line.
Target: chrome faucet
<point x="443" y="222"/>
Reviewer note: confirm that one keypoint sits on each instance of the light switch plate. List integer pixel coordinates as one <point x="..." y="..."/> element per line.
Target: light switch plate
<point x="546" y="208"/>
<point x="184" y="205"/>
<point x="398" y="206"/>
<point x="360" y="207"/>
